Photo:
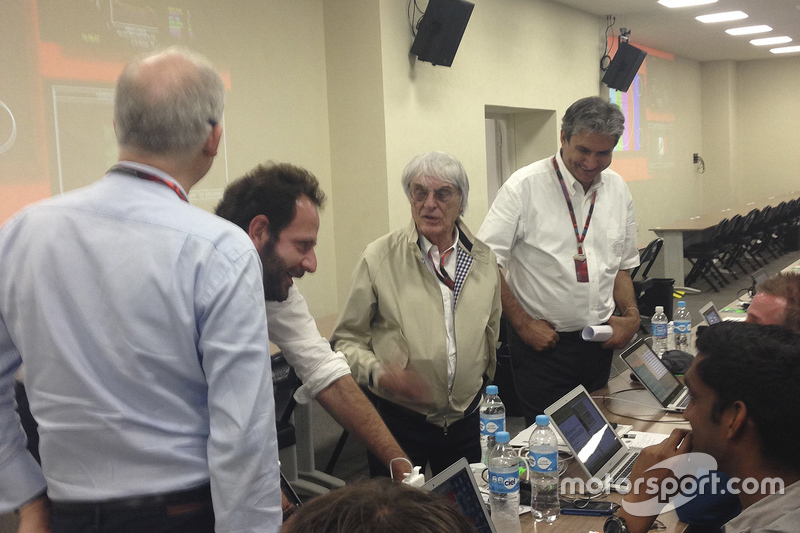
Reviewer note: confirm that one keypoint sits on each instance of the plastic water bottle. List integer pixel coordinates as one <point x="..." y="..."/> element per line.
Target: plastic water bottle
<point x="493" y="419"/>
<point x="659" y="324"/>
<point x="543" y="471"/>
<point x="683" y="327"/>
<point x="504" y="485"/>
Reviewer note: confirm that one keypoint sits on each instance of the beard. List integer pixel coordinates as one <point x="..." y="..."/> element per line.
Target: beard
<point x="277" y="275"/>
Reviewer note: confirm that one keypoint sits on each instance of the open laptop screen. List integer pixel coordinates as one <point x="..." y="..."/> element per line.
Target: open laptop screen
<point x="457" y="484"/>
<point x="652" y="372"/>
<point x="587" y="432"/>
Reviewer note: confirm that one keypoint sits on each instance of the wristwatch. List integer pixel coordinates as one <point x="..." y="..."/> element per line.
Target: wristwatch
<point x="615" y="524"/>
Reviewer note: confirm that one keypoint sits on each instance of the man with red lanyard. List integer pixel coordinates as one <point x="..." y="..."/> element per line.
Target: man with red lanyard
<point x="564" y="230"/>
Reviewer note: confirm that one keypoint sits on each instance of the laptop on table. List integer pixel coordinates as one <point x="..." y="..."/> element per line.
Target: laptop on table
<point x="457" y="484"/>
<point x="657" y="379"/>
<point x="597" y="447"/>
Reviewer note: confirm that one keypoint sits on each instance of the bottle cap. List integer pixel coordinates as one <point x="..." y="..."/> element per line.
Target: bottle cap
<point x="659" y="309"/>
<point x="542" y="420"/>
<point x="681" y="303"/>
<point x="502" y="436"/>
<point x="491" y="389"/>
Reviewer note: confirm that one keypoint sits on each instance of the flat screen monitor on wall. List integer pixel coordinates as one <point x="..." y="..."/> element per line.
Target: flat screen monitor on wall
<point x="440" y="31"/>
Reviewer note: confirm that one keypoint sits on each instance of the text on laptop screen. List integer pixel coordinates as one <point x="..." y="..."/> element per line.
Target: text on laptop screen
<point x="652" y="372"/>
<point x="583" y="427"/>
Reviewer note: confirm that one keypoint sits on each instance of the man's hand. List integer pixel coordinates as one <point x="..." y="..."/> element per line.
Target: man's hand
<point x="538" y="334"/>
<point x="623" y="329"/>
<point x="678" y="443"/>
<point x="34" y="516"/>
<point x="406" y="385"/>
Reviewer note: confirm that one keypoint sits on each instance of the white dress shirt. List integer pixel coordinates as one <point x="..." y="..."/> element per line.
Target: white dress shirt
<point x="294" y="330"/>
<point x="142" y="326"/>
<point x="430" y="254"/>
<point x="530" y="230"/>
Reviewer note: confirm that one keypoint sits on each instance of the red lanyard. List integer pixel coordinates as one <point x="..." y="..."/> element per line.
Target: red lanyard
<point x="579" y="237"/>
<point x="149" y="177"/>
<point x="440" y="272"/>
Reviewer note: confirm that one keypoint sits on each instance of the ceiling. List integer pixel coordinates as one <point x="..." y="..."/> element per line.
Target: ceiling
<point x="676" y="31"/>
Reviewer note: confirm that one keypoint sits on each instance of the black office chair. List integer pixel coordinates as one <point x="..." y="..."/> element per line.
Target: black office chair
<point x="644" y="288"/>
<point x="284" y="384"/>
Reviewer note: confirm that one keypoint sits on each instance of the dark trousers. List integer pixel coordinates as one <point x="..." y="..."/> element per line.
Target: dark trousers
<point x="427" y="443"/>
<point x="542" y="377"/>
<point x="178" y="512"/>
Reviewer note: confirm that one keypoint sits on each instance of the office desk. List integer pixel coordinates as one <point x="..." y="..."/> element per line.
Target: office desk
<point x="684" y="232"/>
<point x="620" y="412"/>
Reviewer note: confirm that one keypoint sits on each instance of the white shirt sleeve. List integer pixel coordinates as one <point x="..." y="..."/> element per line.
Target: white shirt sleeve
<point x="503" y="224"/>
<point x="294" y="330"/>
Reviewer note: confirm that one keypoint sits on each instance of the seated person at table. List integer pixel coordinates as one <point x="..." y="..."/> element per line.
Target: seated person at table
<point x="378" y="506"/>
<point x="743" y="412"/>
<point x="422" y="318"/>
<point x="777" y="302"/>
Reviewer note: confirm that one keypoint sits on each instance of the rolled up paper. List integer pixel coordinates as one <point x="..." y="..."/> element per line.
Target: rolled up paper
<point x="596" y="333"/>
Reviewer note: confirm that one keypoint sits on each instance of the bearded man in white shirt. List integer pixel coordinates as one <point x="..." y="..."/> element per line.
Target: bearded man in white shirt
<point x="564" y="230"/>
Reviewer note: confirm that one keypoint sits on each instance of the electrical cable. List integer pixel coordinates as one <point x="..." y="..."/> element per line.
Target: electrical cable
<point x="606" y="59"/>
<point x="414" y="24"/>
<point x="660" y="420"/>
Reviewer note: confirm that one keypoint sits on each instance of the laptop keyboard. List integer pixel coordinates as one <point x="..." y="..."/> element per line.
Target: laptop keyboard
<point x="683" y="402"/>
<point x="625" y="472"/>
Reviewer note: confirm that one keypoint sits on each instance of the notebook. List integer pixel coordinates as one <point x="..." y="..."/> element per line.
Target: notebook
<point x="670" y="393"/>
<point x="597" y="447"/>
<point x="457" y="484"/>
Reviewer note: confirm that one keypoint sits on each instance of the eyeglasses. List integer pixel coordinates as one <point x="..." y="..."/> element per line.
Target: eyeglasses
<point x="444" y="195"/>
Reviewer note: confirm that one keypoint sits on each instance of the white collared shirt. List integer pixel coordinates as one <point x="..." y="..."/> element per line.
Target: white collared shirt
<point x="430" y="253"/>
<point x="530" y="230"/>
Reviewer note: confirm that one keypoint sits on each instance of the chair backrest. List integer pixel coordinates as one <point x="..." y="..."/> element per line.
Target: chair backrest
<point x="284" y="384"/>
<point x="648" y="257"/>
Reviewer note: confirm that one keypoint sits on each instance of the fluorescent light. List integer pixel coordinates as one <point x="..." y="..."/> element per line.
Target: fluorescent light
<point x="771" y="40"/>
<point x="722" y="17"/>
<point x="685" y="3"/>
<point x="748" y="30"/>
<point x="785" y="50"/>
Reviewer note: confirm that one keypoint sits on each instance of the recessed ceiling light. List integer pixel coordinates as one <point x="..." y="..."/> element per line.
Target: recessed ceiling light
<point x="685" y="3"/>
<point x="771" y="40"/>
<point x="722" y="17"/>
<point x="785" y="50"/>
<point x="749" y="30"/>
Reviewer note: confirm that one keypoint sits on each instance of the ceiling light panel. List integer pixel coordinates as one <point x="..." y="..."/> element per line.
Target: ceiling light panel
<point x="749" y="30"/>
<point x="785" y="50"/>
<point x="771" y="40"/>
<point x="685" y="3"/>
<point x="722" y="17"/>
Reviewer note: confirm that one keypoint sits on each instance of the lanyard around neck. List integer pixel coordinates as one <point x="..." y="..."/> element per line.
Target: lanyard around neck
<point x="579" y="237"/>
<point x="149" y="177"/>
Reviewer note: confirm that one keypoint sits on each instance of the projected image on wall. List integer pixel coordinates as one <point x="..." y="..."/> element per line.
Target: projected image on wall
<point x="646" y="146"/>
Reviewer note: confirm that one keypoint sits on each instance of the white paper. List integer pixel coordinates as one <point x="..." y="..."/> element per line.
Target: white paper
<point x="596" y="333"/>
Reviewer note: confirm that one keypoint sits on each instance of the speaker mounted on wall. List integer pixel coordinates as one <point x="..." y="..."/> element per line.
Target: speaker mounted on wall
<point x="440" y="30"/>
<point x="623" y="67"/>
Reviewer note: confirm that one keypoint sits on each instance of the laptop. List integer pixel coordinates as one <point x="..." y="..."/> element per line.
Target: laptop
<point x="597" y="447"/>
<point x="457" y="484"/>
<point x="711" y="315"/>
<point x="645" y="364"/>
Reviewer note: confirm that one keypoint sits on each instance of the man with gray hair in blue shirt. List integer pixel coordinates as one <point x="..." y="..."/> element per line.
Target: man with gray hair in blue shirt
<point x="140" y="323"/>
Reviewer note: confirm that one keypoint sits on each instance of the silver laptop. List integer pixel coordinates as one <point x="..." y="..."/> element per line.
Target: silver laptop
<point x="709" y="312"/>
<point x="597" y="447"/>
<point x="645" y="364"/>
<point x="457" y="484"/>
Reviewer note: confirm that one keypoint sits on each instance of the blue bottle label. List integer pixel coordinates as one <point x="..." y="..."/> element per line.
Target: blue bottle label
<point x="504" y="483"/>
<point x="659" y="330"/>
<point x="544" y="462"/>
<point x="491" y="424"/>
<point x="683" y="326"/>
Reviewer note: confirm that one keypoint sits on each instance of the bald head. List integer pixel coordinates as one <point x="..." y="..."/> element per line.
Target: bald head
<point x="166" y="104"/>
<point x="777" y="302"/>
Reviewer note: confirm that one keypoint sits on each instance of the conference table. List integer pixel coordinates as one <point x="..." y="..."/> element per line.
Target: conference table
<point x="680" y="233"/>
<point x="643" y="414"/>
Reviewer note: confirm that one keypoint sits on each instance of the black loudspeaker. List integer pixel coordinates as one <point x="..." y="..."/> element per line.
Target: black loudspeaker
<point x="440" y="30"/>
<point x="623" y="68"/>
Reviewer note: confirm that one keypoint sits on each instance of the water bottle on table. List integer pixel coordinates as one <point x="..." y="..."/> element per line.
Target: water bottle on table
<point x="658" y="325"/>
<point x="543" y="471"/>
<point x="504" y="485"/>
<point x="493" y="419"/>
<point x="683" y="327"/>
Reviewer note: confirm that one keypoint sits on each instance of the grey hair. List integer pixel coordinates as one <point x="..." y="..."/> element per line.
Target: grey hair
<point x="175" y="117"/>
<point x="593" y="115"/>
<point x="442" y="166"/>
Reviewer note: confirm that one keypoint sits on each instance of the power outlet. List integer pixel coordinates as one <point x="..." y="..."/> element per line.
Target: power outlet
<point x="695" y="158"/>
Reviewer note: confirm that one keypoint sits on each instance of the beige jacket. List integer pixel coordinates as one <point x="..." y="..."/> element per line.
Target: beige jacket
<point x="394" y="314"/>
